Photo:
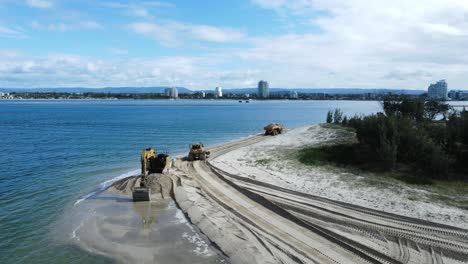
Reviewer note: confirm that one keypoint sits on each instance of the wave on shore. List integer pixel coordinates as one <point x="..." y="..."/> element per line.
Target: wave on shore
<point x="106" y="184"/>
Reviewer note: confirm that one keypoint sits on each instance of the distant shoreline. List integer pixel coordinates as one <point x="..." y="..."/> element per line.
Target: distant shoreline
<point x="244" y="94"/>
<point x="204" y="99"/>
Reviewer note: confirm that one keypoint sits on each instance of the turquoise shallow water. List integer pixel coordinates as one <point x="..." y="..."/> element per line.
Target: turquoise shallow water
<point x="53" y="153"/>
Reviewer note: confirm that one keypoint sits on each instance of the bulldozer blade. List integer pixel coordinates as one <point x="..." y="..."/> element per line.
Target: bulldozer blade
<point x="141" y="194"/>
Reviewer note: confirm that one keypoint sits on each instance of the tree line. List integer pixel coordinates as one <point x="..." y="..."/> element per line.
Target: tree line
<point x="428" y="138"/>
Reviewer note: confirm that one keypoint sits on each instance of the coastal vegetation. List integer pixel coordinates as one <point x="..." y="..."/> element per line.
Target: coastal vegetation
<point x="413" y="140"/>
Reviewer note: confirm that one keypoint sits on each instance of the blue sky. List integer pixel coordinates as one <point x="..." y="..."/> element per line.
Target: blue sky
<point x="202" y="44"/>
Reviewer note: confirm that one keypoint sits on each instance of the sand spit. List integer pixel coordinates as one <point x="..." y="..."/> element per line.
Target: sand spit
<point x="234" y="240"/>
<point x="268" y="161"/>
<point x="112" y="225"/>
<point x="251" y="200"/>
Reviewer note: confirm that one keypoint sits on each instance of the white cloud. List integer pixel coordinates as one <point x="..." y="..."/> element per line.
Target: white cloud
<point x="71" y="70"/>
<point x="64" y="27"/>
<point x="368" y="44"/>
<point x="9" y="54"/>
<point x="166" y="35"/>
<point x="40" y="3"/>
<point x="351" y="43"/>
<point x="64" y="70"/>
<point x="139" y="9"/>
<point x="8" y="32"/>
<point x="215" y="34"/>
<point x="173" y="33"/>
<point x="442" y="28"/>
<point x="130" y="9"/>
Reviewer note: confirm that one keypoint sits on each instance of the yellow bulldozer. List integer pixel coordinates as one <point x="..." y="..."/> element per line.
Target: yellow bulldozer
<point x="197" y="152"/>
<point x="273" y="129"/>
<point x="150" y="163"/>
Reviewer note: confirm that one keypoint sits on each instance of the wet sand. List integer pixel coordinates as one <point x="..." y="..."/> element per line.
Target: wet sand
<point x="112" y="225"/>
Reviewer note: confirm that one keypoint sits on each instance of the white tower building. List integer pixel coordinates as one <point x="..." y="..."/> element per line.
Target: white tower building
<point x="171" y="92"/>
<point x="219" y="91"/>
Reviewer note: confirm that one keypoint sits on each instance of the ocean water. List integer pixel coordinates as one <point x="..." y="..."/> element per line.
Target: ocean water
<point x="54" y="154"/>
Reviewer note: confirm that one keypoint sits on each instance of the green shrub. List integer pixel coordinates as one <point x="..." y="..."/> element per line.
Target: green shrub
<point x="329" y="117"/>
<point x="337" y="116"/>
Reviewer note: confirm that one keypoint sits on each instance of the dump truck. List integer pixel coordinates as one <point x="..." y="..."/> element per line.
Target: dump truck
<point x="197" y="152"/>
<point x="273" y="129"/>
<point x="150" y="163"/>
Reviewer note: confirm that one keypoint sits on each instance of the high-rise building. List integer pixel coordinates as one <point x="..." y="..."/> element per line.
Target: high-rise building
<point x="263" y="89"/>
<point x="174" y="93"/>
<point x="437" y="91"/>
<point x="6" y="95"/>
<point x="171" y="92"/>
<point x="219" y="91"/>
<point x="458" y="95"/>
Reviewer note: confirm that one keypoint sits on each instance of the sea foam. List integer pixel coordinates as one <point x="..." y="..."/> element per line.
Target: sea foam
<point x="104" y="185"/>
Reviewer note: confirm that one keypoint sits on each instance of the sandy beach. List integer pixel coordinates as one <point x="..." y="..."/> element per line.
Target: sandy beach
<point x="268" y="161"/>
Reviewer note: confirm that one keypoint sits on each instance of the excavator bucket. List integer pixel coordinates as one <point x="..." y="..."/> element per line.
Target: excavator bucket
<point x="141" y="194"/>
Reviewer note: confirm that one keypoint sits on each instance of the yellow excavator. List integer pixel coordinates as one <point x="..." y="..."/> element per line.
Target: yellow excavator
<point x="197" y="152"/>
<point x="273" y="129"/>
<point x="150" y="163"/>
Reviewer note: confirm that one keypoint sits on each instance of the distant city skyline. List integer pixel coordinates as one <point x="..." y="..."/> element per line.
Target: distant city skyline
<point x="201" y="44"/>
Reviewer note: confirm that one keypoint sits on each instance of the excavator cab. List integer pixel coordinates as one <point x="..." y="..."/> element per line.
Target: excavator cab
<point x="150" y="163"/>
<point x="147" y="159"/>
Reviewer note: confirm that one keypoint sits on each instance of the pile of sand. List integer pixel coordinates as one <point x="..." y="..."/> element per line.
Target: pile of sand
<point x="159" y="184"/>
